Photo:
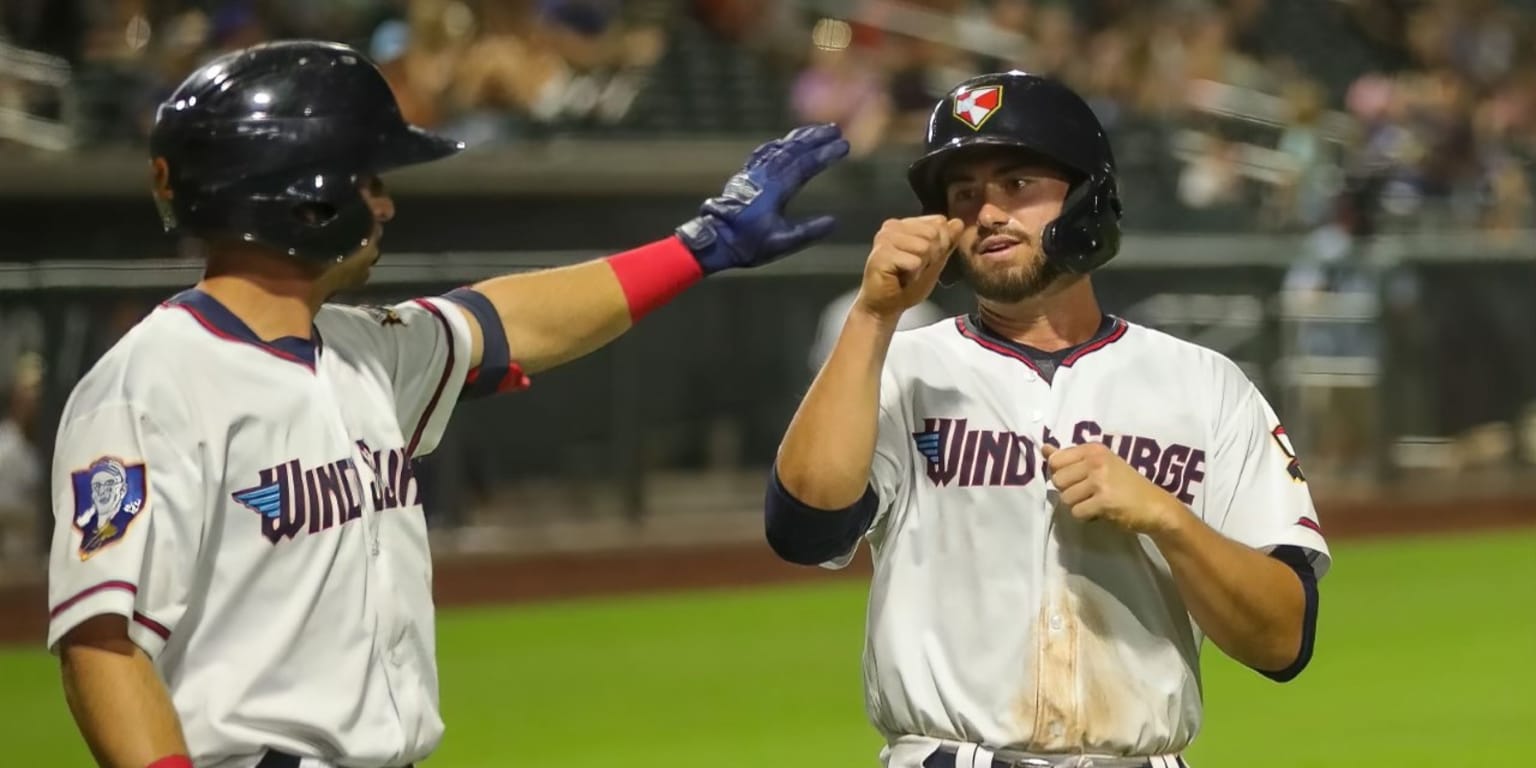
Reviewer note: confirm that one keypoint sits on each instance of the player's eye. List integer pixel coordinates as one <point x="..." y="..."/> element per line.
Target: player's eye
<point x="961" y="194"/>
<point x="1017" y="183"/>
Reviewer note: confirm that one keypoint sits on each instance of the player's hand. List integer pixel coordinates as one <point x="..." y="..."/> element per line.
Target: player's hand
<point x="1095" y="483"/>
<point x="905" y="263"/>
<point x="745" y="226"/>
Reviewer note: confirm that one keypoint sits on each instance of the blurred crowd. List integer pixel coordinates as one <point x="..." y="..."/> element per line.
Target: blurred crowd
<point x="1439" y="102"/>
<point x="479" y="69"/>
<point x="1266" y="105"/>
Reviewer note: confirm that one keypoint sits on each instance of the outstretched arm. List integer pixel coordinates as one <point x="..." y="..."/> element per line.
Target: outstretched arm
<point x="551" y="317"/>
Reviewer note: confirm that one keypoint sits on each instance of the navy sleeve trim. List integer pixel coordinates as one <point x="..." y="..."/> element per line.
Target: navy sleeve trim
<point x="495" y="356"/>
<point x="805" y="535"/>
<point x="1300" y="562"/>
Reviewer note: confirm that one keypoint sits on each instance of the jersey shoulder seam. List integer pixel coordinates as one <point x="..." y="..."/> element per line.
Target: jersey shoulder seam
<point x="136" y="412"/>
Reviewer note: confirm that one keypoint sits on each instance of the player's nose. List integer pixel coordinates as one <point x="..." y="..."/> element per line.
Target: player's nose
<point x="992" y="216"/>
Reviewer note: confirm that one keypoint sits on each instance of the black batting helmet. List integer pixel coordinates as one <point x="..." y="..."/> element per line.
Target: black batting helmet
<point x="1015" y="109"/>
<point x="269" y="144"/>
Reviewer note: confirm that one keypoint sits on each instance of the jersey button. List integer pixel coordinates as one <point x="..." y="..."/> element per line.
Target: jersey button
<point x="1035" y="416"/>
<point x="1055" y="622"/>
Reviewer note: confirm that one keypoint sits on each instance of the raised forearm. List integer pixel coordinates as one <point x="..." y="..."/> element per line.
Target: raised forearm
<point x="824" y="459"/>
<point x="119" y="702"/>
<point x="1251" y="605"/>
<point x="555" y="316"/>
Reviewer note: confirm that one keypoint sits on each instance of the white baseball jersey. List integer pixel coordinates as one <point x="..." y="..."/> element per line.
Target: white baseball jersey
<point x="996" y="618"/>
<point x="250" y="507"/>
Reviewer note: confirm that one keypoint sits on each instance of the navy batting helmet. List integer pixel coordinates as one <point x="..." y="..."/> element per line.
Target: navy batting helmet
<point x="1014" y="109"/>
<point x="269" y="145"/>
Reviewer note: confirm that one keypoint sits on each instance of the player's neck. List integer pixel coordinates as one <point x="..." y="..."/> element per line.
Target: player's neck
<point x="272" y="296"/>
<point x="1048" y="323"/>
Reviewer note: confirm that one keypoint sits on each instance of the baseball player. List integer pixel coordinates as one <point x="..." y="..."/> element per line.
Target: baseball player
<point x="240" y="573"/>
<point x="1061" y="506"/>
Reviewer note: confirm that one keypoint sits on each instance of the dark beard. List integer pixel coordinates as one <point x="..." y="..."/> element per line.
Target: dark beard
<point x="1011" y="286"/>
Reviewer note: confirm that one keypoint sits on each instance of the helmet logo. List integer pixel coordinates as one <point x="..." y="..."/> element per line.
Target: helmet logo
<point x="974" y="105"/>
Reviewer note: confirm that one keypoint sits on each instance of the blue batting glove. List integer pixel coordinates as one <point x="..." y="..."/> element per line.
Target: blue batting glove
<point x="745" y="225"/>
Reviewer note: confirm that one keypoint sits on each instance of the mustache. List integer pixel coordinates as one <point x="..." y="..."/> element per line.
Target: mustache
<point x="982" y="233"/>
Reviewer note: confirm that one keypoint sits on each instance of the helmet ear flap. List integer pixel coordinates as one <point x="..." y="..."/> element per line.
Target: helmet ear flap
<point x="1087" y="233"/>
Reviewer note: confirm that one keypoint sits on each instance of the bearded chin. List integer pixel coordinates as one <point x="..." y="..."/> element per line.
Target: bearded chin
<point x="1011" y="285"/>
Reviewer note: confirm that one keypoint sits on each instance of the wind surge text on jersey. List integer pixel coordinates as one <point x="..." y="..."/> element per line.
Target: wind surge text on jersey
<point x="968" y="457"/>
<point x="292" y="499"/>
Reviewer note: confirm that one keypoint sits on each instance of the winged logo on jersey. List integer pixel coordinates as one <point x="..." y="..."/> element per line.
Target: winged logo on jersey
<point x="929" y="445"/>
<point x="109" y="495"/>
<point x="265" y="500"/>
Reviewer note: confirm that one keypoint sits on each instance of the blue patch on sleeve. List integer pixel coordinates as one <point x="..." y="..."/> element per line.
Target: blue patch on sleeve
<point x="109" y="495"/>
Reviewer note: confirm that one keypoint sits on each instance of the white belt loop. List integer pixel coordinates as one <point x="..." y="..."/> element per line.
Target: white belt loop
<point x="963" y="755"/>
<point x="982" y="758"/>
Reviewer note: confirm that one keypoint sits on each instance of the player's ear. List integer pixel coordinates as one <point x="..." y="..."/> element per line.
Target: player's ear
<point x="160" y="178"/>
<point x="160" y="187"/>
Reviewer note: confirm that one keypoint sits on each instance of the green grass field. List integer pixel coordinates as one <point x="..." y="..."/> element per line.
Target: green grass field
<point x="1427" y="649"/>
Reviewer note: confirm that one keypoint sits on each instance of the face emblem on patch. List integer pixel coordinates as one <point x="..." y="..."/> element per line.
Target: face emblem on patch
<point x="975" y="105"/>
<point x="109" y="495"/>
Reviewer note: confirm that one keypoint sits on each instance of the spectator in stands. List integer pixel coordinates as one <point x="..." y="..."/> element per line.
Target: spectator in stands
<point x="1212" y="180"/>
<point x="389" y="47"/>
<point x="999" y="33"/>
<point x="585" y="33"/>
<point x="235" y="24"/>
<point x="508" y="71"/>
<point x="1056" y="47"/>
<point x="1334" y="293"/>
<point x="1308" y="184"/>
<point x="842" y="85"/>
<point x="830" y="325"/>
<point x="23" y="498"/>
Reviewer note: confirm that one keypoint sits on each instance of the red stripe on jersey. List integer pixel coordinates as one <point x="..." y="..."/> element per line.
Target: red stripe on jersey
<point x="131" y="589"/>
<point x="1113" y="337"/>
<point x="1309" y="523"/>
<point x="214" y="329"/>
<point x="993" y="346"/>
<point x="421" y="426"/>
<point x="152" y="625"/>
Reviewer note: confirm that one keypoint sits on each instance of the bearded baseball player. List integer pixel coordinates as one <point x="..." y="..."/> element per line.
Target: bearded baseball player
<point x="1062" y="506"/>
<point x="240" y="573"/>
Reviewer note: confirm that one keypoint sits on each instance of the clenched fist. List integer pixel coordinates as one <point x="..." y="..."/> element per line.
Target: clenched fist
<point x="1096" y="483"/>
<point x="905" y="263"/>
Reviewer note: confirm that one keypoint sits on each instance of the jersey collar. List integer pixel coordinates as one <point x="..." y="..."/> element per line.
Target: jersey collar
<point x="221" y="322"/>
<point x="1111" y="329"/>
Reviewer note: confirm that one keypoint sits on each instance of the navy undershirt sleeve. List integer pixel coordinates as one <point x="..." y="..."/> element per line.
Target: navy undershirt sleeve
<point x="495" y="355"/>
<point x="1297" y="559"/>
<point x="805" y="535"/>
